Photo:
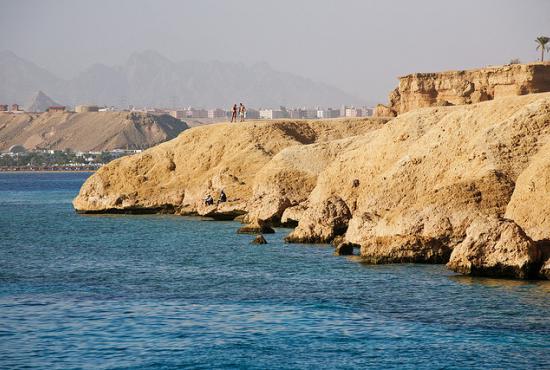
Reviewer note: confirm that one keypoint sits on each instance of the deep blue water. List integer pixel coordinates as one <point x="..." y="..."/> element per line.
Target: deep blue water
<point x="165" y="292"/>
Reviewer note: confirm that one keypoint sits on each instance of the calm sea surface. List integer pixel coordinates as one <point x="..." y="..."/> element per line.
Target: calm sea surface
<point x="166" y="292"/>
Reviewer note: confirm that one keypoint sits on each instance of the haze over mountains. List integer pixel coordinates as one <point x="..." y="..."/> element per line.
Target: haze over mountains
<point x="150" y="79"/>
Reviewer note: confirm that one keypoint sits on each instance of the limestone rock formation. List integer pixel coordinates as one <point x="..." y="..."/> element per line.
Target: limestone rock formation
<point x="97" y="131"/>
<point x="180" y="173"/>
<point x="420" y="90"/>
<point x="496" y="247"/>
<point x="529" y="205"/>
<point x="320" y="224"/>
<point x="427" y="174"/>
<point x="403" y="191"/>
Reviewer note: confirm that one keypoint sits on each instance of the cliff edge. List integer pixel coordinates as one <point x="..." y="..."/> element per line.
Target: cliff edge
<point x="422" y="187"/>
<point x="420" y="90"/>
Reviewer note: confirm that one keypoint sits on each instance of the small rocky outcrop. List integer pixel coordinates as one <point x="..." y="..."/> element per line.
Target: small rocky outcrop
<point x="405" y="249"/>
<point x="496" y="247"/>
<point x="322" y="223"/>
<point x="529" y="203"/>
<point x="259" y="239"/>
<point x="419" y="90"/>
<point x="258" y="226"/>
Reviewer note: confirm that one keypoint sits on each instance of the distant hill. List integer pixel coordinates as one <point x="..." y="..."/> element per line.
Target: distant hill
<point x="150" y="79"/>
<point x="97" y="131"/>
<point x="40" y="102"/>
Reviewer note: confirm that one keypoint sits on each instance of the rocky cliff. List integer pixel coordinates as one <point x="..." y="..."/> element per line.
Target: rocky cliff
<point x="93" y="131"/>
<point x="177" y="175"/>
<point x="465" y="185"/>
<point x="421" y="90"/>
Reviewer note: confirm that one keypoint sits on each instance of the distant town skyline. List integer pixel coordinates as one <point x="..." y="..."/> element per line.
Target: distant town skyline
<point x="358" y="46"/>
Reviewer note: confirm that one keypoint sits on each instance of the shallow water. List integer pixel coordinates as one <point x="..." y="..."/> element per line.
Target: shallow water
<point x="165" y="292"/>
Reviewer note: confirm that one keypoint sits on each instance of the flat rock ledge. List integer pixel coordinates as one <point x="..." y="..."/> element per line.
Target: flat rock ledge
<point x="405" y="249"/>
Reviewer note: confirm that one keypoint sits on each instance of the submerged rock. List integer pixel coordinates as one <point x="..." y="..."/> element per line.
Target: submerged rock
<point x="259" y="239"/>
<point x="496" y="247"/>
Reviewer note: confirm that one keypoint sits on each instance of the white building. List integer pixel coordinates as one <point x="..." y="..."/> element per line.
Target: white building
<point x="273" y="113"/>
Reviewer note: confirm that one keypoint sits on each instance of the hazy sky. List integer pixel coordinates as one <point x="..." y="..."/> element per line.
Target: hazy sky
<point x="358" y="45"/>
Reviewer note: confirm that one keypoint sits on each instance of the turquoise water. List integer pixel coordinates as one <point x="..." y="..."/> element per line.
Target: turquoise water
<point x="169" y="292"/>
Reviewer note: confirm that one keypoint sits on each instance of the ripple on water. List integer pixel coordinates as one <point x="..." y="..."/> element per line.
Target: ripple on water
<point x="163" y="291"/>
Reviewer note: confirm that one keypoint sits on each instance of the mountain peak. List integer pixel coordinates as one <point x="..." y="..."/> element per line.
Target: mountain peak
<point x="39" y="102"/>
<point x="148" y="56"/>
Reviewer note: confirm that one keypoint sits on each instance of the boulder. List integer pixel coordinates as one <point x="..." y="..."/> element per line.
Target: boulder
<point x="322" y="223"/>
<point x="405" y="249"/>
<point x="496" y="247"/>
<point x="259" y="239"/>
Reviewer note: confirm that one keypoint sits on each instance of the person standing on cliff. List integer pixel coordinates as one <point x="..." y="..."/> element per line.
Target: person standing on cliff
<point x="242" y="112"/>
<point x="234" y="113"/>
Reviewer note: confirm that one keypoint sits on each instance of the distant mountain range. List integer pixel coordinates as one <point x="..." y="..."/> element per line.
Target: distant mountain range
<point x="150" y="79"/>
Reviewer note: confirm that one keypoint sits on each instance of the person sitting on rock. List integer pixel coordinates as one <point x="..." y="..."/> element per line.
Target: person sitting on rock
<point x="208" y="201"/>
<point x="223" y="197"/>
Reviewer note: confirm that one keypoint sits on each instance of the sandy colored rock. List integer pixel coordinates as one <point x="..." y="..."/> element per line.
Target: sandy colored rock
<point x="404" y="191"/>
<point x="382" y="110"/>
<point x="97" y="131"/>
<point x="203" y="160"/>
<point x="257" y="226"/>
<point x="290" y="176"/>
<point x="496" y="247"/>
<point x="427" y="174"/>
<point x="322" y="223"/>
<point x="419" y="90"/>
<point x="529" y="205"/>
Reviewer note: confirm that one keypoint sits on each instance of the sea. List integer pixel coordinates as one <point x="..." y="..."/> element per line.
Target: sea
<point x="166" y="292"/>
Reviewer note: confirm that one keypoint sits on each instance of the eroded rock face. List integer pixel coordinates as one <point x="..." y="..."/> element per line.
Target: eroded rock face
<point x="404" y="191"/>
<point x="405" y="249"/>
<point x="426" y="175"/>
<point x="529" y="205"/>
<point x="496" y="247"/>
<point x="421" y="90"/>
<point x="201" y="161"/>
<point x="322" y="223"/>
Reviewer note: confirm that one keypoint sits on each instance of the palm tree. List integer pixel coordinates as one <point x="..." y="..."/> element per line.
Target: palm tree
<point x="542" y="41"/>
